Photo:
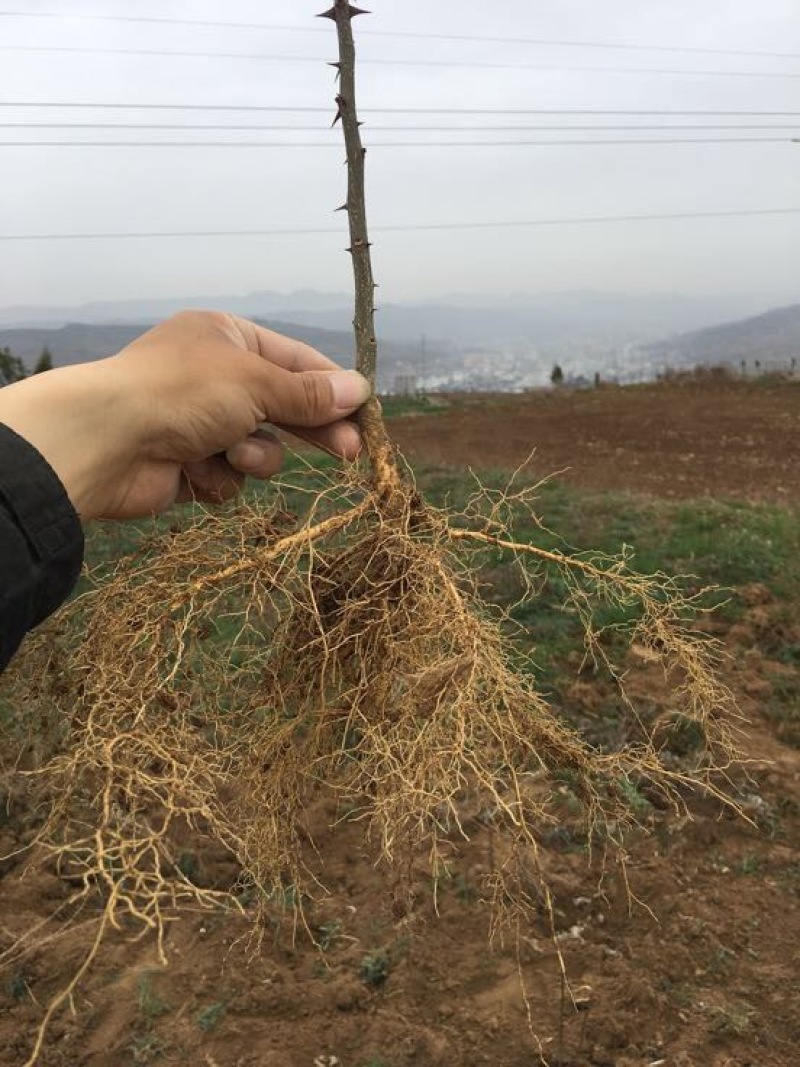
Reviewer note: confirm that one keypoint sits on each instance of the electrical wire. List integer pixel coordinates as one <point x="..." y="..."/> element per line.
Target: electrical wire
<point x="401" y="144"/>
<point x="482" y="39"/>
<point x="404" y="228"/>
<point x="189" y="127"/>
<point x="146" y="106"/>
<point x="439" y="63"/>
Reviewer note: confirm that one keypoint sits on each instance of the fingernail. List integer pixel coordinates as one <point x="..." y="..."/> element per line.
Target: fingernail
<point x="349" y="389"/>
<point x="247" y="455"/>
<point x="348" y="439"/>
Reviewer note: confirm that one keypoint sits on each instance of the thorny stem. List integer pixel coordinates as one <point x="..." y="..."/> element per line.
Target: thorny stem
<point x="370" y="420"/>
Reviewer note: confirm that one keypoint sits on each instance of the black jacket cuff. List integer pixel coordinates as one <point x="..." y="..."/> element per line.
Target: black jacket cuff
<point x="41" y="541"/>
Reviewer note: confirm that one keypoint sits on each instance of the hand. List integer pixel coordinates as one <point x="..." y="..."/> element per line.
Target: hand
<point x="132" y="434"/>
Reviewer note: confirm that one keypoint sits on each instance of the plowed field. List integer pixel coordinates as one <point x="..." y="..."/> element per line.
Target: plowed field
<point x="702" y="970"/>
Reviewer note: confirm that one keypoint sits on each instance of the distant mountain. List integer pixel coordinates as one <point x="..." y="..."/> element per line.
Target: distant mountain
<point x="458" y="319"/>
<point x="510" y="345"/>
<point x="253" y="304"/>
<point x="82" y="342"/>
<point x="771" y="338"/>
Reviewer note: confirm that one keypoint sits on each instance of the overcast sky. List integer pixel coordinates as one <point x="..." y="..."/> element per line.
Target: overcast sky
<point x="68" y="190"/>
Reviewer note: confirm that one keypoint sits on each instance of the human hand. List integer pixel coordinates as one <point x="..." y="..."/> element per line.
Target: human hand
<point x="132" y="434"/>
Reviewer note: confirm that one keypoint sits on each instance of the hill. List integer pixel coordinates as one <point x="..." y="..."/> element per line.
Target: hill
<point x="772" y="338"/>
<point x="460" y="318"/>
<point x="82" y="342"/>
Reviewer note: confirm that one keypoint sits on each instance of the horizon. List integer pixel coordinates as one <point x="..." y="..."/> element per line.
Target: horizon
<point x="339" y="299"/>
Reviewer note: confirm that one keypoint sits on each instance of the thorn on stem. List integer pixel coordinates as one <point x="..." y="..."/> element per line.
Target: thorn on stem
<point x="342" y="207"/>
<point x="350" y="10"/>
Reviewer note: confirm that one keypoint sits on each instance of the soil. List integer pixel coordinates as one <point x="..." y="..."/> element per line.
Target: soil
<point x="686" y="958"/>
<point x="679" y="440"/>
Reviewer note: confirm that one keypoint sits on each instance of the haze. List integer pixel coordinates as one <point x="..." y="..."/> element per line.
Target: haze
<point x="146" y="189"/>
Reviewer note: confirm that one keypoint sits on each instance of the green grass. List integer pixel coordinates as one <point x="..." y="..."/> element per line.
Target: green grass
<point x="783" y="708"/>
<point x="374" y="968"/>
<point x="393" y="406"/>
<point x="209" y="1017"/>
<point x="150" y="1003"/>
<point x="717" y="543"/>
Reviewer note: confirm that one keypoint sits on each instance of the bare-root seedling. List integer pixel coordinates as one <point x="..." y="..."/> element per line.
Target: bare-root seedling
<point x="235" y="670"/>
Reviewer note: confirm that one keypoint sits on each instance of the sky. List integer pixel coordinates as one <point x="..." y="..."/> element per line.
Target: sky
<point x="67" y="190"/>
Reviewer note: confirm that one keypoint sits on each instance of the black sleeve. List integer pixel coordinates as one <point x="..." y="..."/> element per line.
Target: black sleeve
<point x="41" y="541"/>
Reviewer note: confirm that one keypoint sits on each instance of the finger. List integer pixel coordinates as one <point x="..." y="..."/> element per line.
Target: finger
<point x="209" y="481"/>
<point x="260" y="455"/>
<point x="341" y="439"/>
<point x="310" y="398"/>
<point x="284" y="352"/>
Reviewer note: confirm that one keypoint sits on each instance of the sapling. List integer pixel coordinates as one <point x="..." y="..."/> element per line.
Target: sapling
<point x="243" y="665"/>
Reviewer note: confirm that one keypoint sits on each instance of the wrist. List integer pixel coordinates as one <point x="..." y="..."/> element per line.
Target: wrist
<point x="81" y="420"/>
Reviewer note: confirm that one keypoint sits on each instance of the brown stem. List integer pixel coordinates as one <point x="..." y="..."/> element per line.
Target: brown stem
<point x="370" y="420"/>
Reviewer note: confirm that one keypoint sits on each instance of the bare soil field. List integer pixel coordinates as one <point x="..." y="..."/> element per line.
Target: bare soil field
<point x="684" y="439"/>
<point x="689" y="957"/>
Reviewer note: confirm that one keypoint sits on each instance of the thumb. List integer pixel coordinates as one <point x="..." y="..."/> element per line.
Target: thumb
<point x="312" y="398"/>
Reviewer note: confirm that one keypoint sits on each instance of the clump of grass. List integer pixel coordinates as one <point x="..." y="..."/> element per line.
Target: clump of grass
<point x="209" y="1017"/>
<point x="374" y="968"/>
<point x="150" y="1004"/>
<point x="731" y="1020"/>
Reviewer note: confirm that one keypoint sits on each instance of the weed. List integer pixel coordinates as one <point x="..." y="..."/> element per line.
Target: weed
<point x="750" y="865"/>
<point x="681" y="993"/>
<point x="208" y="1018"/>
<point x="17" y="985"/>
<point x="731" y="1020"/>
<point x="721" y="959"/>
<point x="328" y="934"/>
<point x="464" y="891"/>
<point x="150" y="1003"/>
<point x="189" y="866"/>
<point x="783" y="708"/>
<point x="789" y="654"/>
<point x="683" y="736"/>
<point x="374" y="968"/>
<point x="638" y="803"/>
<point x="145" y="1048"/>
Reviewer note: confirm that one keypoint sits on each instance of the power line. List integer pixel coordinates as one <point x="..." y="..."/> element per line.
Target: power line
<point x="549" y="42"/>
<point x="402" y="144"/>
<point x="433" y="226"/>
<point x="439" y="63"/>
<point x="104" y="105"/>
<point x="189" y="127"/>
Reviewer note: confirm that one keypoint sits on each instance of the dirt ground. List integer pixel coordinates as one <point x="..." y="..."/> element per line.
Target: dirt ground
<point x="703" y="971"/>
<point x="722" y="438"/>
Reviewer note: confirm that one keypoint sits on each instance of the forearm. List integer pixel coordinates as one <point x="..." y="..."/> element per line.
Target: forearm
<point x="75" y="418"/>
